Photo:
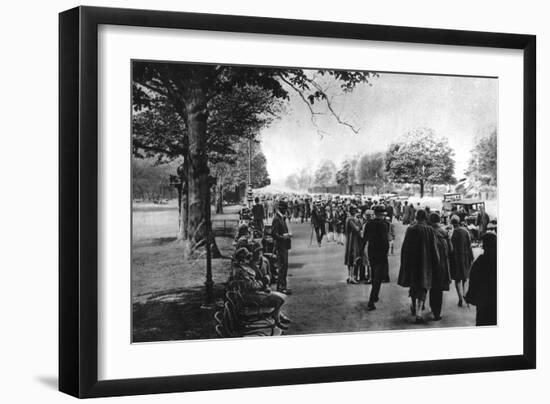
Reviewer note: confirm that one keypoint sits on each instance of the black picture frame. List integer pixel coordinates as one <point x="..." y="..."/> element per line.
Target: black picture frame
<point x="78" y="200"/>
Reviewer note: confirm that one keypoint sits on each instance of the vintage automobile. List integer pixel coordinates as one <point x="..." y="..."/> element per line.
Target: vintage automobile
<point x="471" y="208"/>
<point x="449" y="197"/>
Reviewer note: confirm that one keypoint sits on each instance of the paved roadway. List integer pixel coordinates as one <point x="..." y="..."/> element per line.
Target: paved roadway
<point x="322" y="301"/>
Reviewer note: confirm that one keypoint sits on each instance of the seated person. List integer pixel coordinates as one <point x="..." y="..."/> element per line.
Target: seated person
<point x="253" y="282"/>
<point x="243" y="232"/>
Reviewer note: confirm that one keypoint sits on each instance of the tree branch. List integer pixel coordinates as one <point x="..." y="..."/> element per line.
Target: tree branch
<point x="330" y="108"/>
<point x="311" y="110"/>
<point x="152" y="88"/>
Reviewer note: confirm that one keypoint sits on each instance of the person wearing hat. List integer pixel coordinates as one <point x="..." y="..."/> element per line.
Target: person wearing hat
<point x="242" y="236"/>
<point x="377" y="242"/>
<point x="281" y="240"/>
<point x="354" y="254"/>
<point x="254" y="285"/>
<point x="398" y="210"/>
<point x="419" y="258"/>
<point x="270" y="207"/>
<point x="482" y="221"/>
<point x="462" y="257"/>
<point x="258" y="214"/>
<point x="482" y="289"/>
<point x="340" y="223"/>
<point x="389" y="210"/>
<point x="318" y="219"/>
<point x="441" y="277"/>
<point x="302" y="209"/>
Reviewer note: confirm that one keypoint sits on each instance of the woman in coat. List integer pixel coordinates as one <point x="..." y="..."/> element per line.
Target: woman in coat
<point x="419" y="259"/>
<point x="441" y="277"/>
<point x="462" y="257"/>
<point x="482" y="290"/>
<point x="354" y="253"/>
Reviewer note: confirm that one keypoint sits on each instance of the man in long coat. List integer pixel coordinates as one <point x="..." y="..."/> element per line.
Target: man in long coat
<point x="419" y="258"/>
<point x="318" y="219"/>
<point x="376" y="235"/>
<point x="441" y="276"/>
<point x="354" y="255"/>
<point x="281" y="240"/>
<point x="258" y="214"/>
<point x="462" y="257"/>
<point x="407" y="218"/>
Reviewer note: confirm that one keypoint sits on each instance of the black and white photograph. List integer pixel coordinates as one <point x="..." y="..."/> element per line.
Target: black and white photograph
<point x="275" y="202"/>
<point x="283" y="201"/>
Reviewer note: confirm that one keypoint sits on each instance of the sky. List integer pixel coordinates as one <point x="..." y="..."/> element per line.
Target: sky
<point x="459" y="108"/>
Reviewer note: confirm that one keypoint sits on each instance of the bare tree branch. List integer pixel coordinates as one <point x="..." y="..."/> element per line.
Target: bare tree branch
<point x="311" y="110"/>
<point x="330" y="107"/>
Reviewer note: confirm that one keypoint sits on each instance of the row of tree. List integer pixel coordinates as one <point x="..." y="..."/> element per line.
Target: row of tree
<point x="419" y="157"/>
<point x="151" y="181"/>
<point x="482" y="166"/>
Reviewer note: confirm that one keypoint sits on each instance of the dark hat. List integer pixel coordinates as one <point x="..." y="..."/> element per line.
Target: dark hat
<point x="434" y="218"/>
<point x="242" y="242"/>
<point x="242" y="253"/>
<point x="379" y="209"/>
<point x="282" y="205"/>
<point x="421" y="214"/>
<point x="243" y="230"/>
<point x="489" y="241"/>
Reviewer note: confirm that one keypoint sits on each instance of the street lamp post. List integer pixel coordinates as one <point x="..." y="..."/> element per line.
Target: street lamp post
<point x="249" y="186"/>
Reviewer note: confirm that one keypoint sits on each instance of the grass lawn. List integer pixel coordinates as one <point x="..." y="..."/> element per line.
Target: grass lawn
<point x="168" y="292"/>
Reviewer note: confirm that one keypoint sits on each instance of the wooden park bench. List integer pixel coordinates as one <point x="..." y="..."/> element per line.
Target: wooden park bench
<point x="240" y="319"/>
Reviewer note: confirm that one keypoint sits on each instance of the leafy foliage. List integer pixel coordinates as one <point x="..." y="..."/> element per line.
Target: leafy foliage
<point x="371" y="170"/>
<point x="150" y="180"/>
<point x="346" y="174"/>
<point x="482" y="167"/>
<point x="159" y="130"/>
<point x="200" y="112"/>
<point x="421" y="157"/>
<point x="301" y="181"/>
<point x="325" y="174"/>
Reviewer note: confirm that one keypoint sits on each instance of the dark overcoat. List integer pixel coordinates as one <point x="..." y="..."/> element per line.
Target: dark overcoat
<point x="354" y="242"/>
<point x="278" y="228"/>
<point x="462" y="257"/>
<point x="376" y="234"/>
<point x="482" y="291"/>
<point x="419" y="257"/>
<point x="442" y="275"/>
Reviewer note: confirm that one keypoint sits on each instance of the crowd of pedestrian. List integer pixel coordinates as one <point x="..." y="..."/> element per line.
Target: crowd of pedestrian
<point x="435" y="250"/>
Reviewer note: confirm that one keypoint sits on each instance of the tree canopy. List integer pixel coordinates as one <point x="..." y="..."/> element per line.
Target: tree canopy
<point x="421" y="157"/>
<point x="325" y="174"/>
<point x="371" y="170"/>
<point x="346" y="175"/>
<point x="214" y="104"/>
<point x="482" y="167"/>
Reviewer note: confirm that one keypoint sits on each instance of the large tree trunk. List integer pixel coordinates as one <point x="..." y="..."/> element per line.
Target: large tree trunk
<point x="199" y="224"/>
<point x="183" y="203"/>
<point x="421" y="188"/>
<point x="197" y="175"/>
